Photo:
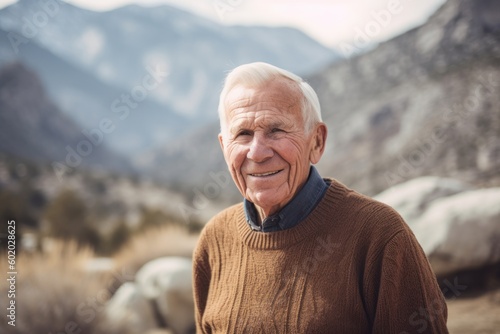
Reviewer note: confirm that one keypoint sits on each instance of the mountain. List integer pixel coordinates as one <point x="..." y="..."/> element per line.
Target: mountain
<point x="88" y="100"/>
<point x="117" y="46"/>
<point x="32" y="127"/>
<point x="424" y="103"/>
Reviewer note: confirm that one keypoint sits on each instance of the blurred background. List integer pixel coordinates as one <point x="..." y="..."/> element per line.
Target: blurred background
<point x="110" y="164"/>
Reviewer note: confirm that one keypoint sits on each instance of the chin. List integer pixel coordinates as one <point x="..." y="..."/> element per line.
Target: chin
<point x="266" y="199"/>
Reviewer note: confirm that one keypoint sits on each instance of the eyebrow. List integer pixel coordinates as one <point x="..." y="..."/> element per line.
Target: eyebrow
<point x="277" y="124"/>
<point x="238" y="126"/>
<point x="242" y="125"/>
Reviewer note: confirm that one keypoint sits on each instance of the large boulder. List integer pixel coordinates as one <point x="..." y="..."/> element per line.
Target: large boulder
<point x="462" y="231"/>
<point x="458" y="227"/>
<point x="412" y="198"/>
<point x="129" y="306"/>
<point x="167" y="282"/>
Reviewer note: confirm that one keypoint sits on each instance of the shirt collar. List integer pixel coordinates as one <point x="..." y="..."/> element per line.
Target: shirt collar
<point x="294" y="211"/>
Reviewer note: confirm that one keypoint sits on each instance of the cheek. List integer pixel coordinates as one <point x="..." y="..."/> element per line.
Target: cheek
<point x="235" y="156"/>
<point x="293" y="152"/>
<point x="235" y="159"/>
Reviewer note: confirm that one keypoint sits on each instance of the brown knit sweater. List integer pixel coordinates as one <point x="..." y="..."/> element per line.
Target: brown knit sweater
<point x="352" y="266"/>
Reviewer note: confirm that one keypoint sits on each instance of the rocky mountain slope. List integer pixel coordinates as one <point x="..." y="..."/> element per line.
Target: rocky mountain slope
<point x="424" y="103"/>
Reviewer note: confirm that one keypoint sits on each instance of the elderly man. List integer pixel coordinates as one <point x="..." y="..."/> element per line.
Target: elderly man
<point x="302" y="254"/>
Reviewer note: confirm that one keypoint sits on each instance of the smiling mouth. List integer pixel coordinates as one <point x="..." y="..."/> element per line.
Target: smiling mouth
<point x="265" y="174"/>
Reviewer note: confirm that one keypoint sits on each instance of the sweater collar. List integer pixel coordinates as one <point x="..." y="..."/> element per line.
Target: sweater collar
<point x="294" y="211"/>
<point x="329" y="210"/>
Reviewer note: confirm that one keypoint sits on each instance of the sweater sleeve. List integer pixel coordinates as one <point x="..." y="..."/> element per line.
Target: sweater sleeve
<point x="405" y="296"/>
<point x="201" y="281"/>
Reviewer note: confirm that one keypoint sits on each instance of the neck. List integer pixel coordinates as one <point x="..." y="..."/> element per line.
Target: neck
<point x="264" y="213"/>
<point x="261" y="214"/>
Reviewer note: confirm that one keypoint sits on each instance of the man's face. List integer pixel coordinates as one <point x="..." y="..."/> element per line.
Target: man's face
<point x="265" y="144"/>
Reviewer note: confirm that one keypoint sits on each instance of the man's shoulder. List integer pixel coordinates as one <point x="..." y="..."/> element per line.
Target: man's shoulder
<point x="369" y="223"/>
<point x="367" y="211"/>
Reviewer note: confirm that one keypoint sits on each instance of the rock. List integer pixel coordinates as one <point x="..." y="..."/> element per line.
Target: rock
<point x="457" y="227"/>
<point x="412" y="198"/>
<point x="129" y="306"/>
<point x="462" y="231"/>
<point x="167" y="281"/>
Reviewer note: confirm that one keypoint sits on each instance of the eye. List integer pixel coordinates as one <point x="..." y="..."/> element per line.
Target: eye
<point x="277" y="130"/>
<point x="243" y="133"/>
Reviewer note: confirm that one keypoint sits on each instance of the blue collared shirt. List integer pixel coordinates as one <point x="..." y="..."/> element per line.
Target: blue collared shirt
<point x="295" y="211"/>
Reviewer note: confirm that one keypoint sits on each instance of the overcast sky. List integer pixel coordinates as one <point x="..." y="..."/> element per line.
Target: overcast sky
<point x="328" y="21"/>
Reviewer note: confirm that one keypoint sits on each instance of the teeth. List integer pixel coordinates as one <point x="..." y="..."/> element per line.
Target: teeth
<point x="265" y="174"/>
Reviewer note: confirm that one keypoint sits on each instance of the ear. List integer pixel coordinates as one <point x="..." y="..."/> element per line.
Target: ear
<point x="221" y="142"/>
<point x="318" y="143"/>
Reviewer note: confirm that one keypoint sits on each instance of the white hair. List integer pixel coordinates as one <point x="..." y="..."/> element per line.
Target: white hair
<point x="256" y="75"/>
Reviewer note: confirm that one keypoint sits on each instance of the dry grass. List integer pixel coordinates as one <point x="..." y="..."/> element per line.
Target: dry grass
<point x="152" y="244"/>
<point x="54" y="293"/>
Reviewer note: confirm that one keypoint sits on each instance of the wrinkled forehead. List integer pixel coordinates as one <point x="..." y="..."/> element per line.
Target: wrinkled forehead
<point x="278" y="94"/>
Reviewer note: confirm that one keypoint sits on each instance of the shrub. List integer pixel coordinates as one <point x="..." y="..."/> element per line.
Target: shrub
<point x="11" y="208"/>
<point x="67" y="217"/>
<point x="117" y="238"/>
<point x="156" y="218"/>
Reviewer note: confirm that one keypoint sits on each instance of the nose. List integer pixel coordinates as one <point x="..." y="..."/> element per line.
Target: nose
<point x="259" y="150"/>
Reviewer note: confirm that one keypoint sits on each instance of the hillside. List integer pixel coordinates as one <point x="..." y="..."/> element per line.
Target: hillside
<point x="32" y="127"/>
<point x="424" y="103"/>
